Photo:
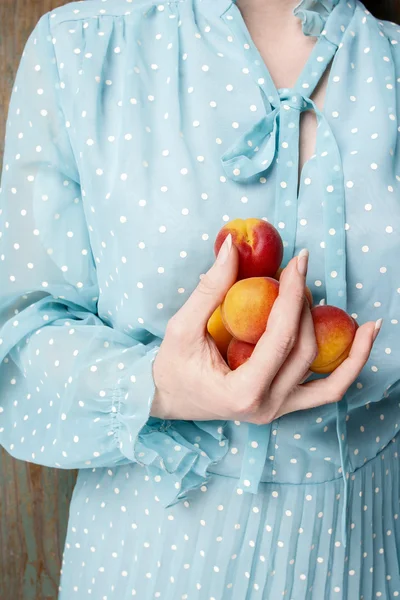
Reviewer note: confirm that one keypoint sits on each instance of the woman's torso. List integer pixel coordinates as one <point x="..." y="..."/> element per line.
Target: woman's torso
<point x="154" y="95"/>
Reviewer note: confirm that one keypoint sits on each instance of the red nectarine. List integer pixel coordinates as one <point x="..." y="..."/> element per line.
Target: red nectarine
<point x="238" y="353"/>
<point x="259" y="244"/>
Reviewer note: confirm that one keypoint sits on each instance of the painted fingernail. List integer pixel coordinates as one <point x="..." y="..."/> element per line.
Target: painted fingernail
<point x="377" y="329"/>
<point x="302" y="261"/>
<point x="225" y="249"/>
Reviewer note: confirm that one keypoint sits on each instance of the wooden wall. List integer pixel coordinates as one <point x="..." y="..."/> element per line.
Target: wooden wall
<point x="33" y="501"/>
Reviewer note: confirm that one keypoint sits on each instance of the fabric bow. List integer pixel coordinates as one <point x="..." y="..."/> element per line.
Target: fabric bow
<point x="254" y="152"/>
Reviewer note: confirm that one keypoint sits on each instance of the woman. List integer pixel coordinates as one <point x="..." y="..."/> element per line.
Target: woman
<point x="136" y="131"/>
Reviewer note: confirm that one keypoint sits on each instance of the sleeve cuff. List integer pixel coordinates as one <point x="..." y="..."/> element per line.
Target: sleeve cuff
<point x="176" y="454"/>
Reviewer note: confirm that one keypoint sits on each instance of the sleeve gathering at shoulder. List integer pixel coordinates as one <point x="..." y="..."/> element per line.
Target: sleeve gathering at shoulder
<point x="74" y="392"/>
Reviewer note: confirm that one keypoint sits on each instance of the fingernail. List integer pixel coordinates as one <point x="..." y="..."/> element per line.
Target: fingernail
<point x="225" y="249"/>
<point x="377" y="329"/>
<point x="302" y="261"/>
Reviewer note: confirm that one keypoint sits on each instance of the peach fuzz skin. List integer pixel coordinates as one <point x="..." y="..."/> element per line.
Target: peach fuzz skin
<point x="247" y="306"/>
<point x="218" y="332"/>
<point x="238" y="353"/>
<point x="334" y="332"/>
<point x="259" y="245"/>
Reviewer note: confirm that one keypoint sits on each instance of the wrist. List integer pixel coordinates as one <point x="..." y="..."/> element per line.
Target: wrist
<point x="158" y="408"/>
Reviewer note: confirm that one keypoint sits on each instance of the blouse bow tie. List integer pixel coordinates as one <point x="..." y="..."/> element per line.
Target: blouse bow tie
<point x="271" y="146"/>
<point x="255" y="151"/>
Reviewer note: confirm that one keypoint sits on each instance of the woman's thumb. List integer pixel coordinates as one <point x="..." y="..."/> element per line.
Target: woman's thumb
<point x="211" y="290"/>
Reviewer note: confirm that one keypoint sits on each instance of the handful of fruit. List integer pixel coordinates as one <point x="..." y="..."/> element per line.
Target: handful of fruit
<point x="239" y="322"/>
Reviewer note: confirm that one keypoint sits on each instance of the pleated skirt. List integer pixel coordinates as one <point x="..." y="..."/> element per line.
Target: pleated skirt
<point x="284" y="542"/>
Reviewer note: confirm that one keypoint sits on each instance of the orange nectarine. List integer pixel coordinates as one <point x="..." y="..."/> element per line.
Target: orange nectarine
<point x="218" y="332"/>
<point x="334" y="332"/>
<point x="247" y="306"/>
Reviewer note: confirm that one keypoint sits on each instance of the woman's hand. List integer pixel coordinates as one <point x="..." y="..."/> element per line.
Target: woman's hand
<point x="193" y="382"/>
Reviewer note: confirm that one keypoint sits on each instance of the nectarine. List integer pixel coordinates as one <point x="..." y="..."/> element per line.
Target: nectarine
<point x="238" y="353"/>
<point x="259" y="244"/>
<point x="247" y="306"/>
<point x="334" y="332"/>
<point x="218" y="332"/>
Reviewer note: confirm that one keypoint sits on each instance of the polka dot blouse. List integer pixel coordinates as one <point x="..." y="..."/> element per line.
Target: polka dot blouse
<point x="135" y="131"/>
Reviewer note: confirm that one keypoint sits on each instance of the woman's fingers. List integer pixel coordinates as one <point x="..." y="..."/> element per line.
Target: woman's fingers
<point x="306" y="376"/>
<point x="193" y="316"/>
<point x="332" y="388"/>
<point x="296" y="368"/>
<point x="281" y="333"/>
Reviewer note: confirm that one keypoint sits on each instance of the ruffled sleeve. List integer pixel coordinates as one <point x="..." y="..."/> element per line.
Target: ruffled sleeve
<point x="177" y="455"/>
<point x="74" y="391"/>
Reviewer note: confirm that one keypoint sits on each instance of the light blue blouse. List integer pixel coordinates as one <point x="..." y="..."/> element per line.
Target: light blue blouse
<point x="135" y="131"/>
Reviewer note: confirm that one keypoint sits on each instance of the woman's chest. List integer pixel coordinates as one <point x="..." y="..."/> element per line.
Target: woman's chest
<point x="152" y="235"/>
<point x="156" y="192"/>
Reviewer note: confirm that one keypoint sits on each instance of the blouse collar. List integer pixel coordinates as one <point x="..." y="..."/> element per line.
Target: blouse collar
<point x="314" y="14"/>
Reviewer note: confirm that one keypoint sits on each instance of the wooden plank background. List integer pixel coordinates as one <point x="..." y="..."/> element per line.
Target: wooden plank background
<point x="34" y="501"/>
